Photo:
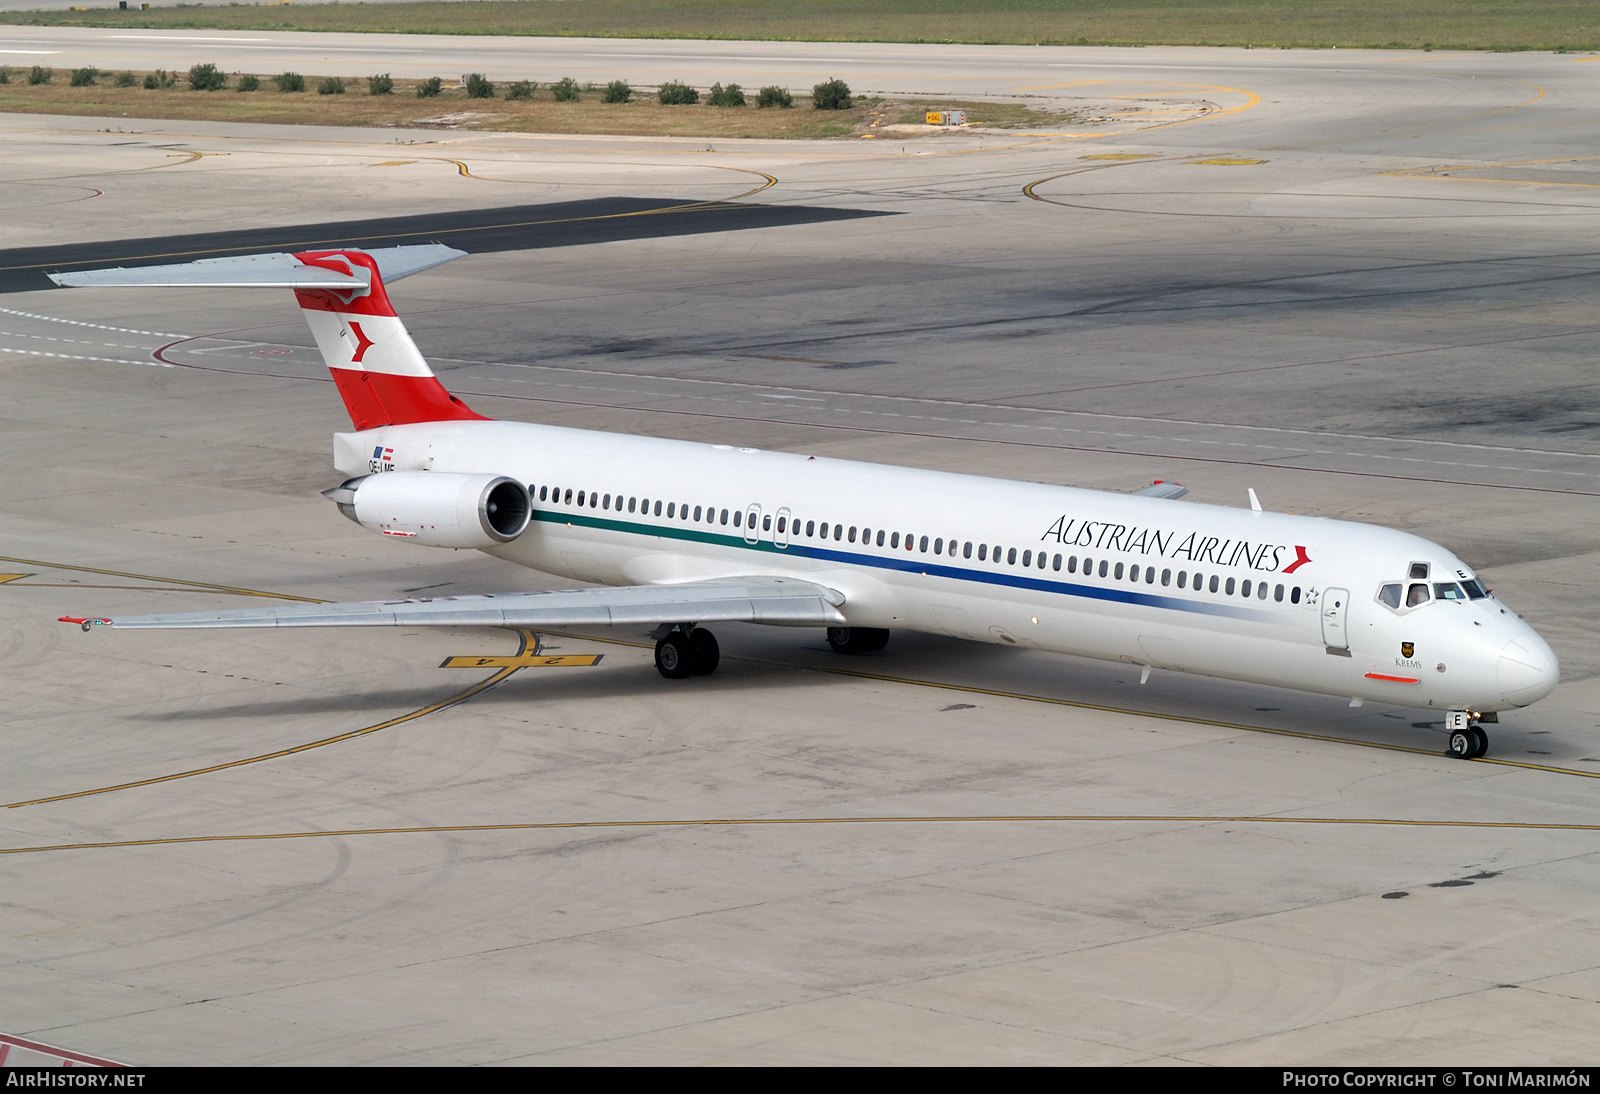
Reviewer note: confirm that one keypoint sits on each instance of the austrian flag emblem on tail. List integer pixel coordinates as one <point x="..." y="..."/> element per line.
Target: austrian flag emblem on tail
<point x="1301" y="558"/>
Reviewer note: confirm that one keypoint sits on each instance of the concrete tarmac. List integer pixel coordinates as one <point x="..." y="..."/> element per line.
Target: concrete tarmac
<point x="1361" y="283"/>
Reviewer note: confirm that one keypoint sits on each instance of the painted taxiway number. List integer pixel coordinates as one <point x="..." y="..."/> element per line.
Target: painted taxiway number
<point x="525" y="661"/>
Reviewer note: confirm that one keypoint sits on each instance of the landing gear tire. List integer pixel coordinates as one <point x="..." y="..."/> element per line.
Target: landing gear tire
<point x="673" y="657"/>
<point x="1480" y="742"/>
<point x="704" y="654"/>
<point x="1461" y="744"/>
<point x="857" y="639"/>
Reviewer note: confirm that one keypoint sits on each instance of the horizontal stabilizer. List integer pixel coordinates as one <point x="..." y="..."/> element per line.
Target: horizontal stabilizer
<point x="268" y="271"/>
<point x="1161" y="489"/>
<point x="742" y="600"/>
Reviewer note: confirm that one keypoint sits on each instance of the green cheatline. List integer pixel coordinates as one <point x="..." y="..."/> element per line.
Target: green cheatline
<point x="1439" y="24"/>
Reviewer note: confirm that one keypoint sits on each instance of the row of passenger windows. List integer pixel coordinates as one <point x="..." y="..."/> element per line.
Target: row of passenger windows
<point x="1135" y="573"/>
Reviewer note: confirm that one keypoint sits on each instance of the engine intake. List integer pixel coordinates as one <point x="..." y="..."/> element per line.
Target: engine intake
<point x="440" y="509"/>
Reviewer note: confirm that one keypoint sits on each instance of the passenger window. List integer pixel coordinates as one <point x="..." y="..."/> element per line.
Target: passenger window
<point x="580" y="499"/>
<point x="923" y="546"/>
<point x="1117" y="573"/>
<point x="1166" y="577"/>
<point x="766" y="523"/>
<point x="632" y="504"/>
<point x="852" y="533"/>
<point x="724" y="519"/>
<point x="697" y="512"/>
<point x="1072" y="564"/>
<point x="1389" y="595"/>
<point x="1294" y="595"/>
<point x="569" y="497"/>
<point x="1027" y="558"/>
<point x="781" y="522"/>
<point x="983" y="552"/>
<point x="658" y="508"/>
<point x="879" y="540"/>
<point x="1228" y="590"/>
<point x="1277" y="594"/>
<point x="966" y="549"/>
<point x="1416" y="595"/>
<point x="606" y="504"/>
<point x="938" y="546"/>
<point x="911" y="540"/>
<point x="1133" y="573"/>
<point x="1213" y="585"/>
<point x="1103" y="567"/>
<point x="1011" y="557"/>
<point x="544" y="493"/>
<point x="894" y="540"/>
<point x="1149" y="575"/>
<point x="1245" y="591"/>
<point x="1055" y="563"/>
<point x="1261" y="590"/>
<point x="811" y="528"/>
<point x="1183" y="577"/>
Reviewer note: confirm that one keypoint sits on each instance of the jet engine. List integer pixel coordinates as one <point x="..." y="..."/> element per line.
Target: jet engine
<point x="440" y="509"/>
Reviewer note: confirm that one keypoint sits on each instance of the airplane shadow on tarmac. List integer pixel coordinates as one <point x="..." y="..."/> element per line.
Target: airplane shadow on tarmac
<point x="477" y="231"/>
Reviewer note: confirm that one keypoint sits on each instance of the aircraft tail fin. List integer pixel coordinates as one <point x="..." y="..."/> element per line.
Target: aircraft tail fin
<point x="380" y="373"/>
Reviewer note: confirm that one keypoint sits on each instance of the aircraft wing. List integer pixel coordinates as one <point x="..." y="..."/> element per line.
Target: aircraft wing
<point x="743" y="600"/>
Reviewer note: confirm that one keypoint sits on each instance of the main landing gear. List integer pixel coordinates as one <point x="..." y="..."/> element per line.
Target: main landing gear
<point x="687" y="650"/>
<point x="857" y="639"/>
<point x="1468" y="741"/>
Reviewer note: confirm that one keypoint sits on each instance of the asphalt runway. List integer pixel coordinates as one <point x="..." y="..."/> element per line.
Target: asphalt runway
<point x="1363" y="284"/>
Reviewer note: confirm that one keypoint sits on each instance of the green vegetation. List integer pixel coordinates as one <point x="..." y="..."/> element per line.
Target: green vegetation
<point x="84" y="77"/>
<point x="522" y="90"/>
<point x="380" y="85"/>
<point x="41" y="75"/>
<point x="207" y="78"/>
<point x="479" y="86"/>
<point x="673" y="93"/>
<point x="331" y="86"/>
<point x="565" y="90"/>
<point x="128" y="79"/>
<point x="618" y="91"/>
<point x="831" y="95"/>
<point x="773" y="95"/>
<point x="289" y="82"/>
<point x="732" y="95"/>
<point x="1443" y="24"/>
<point x="448" y="107"/>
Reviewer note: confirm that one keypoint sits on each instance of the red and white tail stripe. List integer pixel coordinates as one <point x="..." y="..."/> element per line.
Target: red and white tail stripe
<point x="379" y="371"/>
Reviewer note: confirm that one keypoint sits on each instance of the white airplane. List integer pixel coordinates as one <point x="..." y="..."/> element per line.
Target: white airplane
<point x="682" y="534"/>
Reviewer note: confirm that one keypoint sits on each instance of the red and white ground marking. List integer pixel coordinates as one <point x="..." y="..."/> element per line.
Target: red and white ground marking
<point x="17" y="1052"/>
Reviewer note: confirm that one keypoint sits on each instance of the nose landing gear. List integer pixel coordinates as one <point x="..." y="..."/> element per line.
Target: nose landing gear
<point x="1468" y="741"/>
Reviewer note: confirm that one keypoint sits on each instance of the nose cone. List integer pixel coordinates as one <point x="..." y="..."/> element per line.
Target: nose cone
<point x="1528" y="670"/>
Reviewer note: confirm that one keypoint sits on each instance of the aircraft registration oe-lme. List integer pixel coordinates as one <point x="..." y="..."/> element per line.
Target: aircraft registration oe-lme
<point x="682" y="534"/>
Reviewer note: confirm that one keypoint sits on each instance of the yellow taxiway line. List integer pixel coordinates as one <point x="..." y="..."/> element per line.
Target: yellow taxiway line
<point x="757" y="822"/>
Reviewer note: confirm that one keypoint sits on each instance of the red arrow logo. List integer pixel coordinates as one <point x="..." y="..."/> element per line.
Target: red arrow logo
<point x="363" y="343"/>
<point x="1301" y="559"/>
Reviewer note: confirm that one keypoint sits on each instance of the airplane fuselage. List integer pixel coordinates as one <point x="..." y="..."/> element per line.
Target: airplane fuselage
<point x="1272" y="598"/>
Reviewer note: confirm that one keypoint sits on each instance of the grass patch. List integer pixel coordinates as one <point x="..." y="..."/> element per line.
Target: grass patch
<point x="408" y="103"/>
<point x="1443" y="24"/>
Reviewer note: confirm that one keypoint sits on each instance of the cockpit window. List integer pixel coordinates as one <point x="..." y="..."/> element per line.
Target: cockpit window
<point x="1390" y="595"/>
<point x="1448" y="590"/>
<point x="1416" y="595"/>
<point x="1419" y="571"/>
<point x="1475" y="589"/>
